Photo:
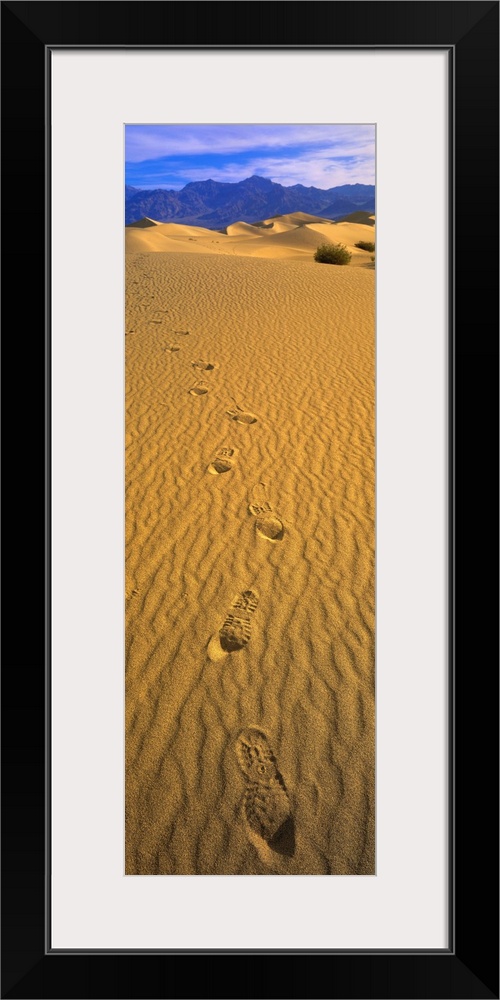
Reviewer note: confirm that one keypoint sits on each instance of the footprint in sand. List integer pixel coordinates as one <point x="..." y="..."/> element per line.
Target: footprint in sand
<point x="172" y="348"/>
<point x="198" y="389"/>
<point x="236" y="630"/>
<point x="223" y="461"/>
<point x="266" y="803"/>
<point x="267" y="524"/>
<point x="204" y="366"/>
<point x="241" y="417"/>
<point x="181" y="333"/>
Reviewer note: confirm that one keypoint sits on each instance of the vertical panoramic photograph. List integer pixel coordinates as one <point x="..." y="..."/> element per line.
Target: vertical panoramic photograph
<point x="249" y="499"/>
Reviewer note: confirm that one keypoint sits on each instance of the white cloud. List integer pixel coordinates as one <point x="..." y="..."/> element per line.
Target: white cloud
<point x="318" y="170"/>
<point x="149" y="142"/>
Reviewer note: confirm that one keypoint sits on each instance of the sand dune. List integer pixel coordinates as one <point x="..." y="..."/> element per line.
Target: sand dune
<point x="300" y="238"/>
<point x="181" y="231"/>
<point x="144" y="223"/>
<point x="275" y="225"/>
<point x="243" y="229"/>
<point x="363" y="218"/>
<point x="299" y="219"/>
<point x="300" y="242"/>
<point x="249" y="558"/>
<point x="343" y="232"/>
<point x="167" y="236"/>
<point x="289" y="237"/>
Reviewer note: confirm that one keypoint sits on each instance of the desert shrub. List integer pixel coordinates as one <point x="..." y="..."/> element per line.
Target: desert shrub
<point x="332" y="253"/>
<point x="363" y="245"/>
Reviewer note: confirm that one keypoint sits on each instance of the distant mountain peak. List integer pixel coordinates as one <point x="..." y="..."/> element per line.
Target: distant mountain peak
<point x="257" y="181"/>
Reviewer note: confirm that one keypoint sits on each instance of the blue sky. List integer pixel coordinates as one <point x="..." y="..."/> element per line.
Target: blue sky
<point x="324" y="156"/>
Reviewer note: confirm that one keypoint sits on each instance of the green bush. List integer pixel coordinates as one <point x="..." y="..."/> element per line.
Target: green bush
<point x="332" y="253"/>
<point x="365" y="246"/>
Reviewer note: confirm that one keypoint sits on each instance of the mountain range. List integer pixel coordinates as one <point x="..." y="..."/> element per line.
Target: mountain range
<point x="214" y="205"/>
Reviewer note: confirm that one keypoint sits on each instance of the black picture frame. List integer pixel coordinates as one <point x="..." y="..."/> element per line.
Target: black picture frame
<point x="469" y="968"/>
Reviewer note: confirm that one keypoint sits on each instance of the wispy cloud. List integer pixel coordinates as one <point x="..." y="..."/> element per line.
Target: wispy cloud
<point x="147" y="142"/>
<point x="318" y="155"/>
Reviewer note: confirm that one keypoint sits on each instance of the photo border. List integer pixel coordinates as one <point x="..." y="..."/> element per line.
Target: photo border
<point x="470" y="967"/>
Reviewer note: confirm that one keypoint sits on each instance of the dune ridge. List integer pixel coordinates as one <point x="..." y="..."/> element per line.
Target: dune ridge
<point x="289" y="236"/>
<point x="290" y="607"/>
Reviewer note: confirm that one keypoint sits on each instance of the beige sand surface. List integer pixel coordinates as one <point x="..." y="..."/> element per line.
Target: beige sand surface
<point x="249" y="552"/>
<point x="289" y="236"/>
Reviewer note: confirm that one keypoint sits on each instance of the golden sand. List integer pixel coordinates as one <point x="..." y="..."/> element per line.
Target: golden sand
<point x="250" y="395"/>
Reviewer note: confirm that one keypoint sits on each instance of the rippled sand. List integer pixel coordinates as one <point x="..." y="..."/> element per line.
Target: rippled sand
<point x="249" y="561"/>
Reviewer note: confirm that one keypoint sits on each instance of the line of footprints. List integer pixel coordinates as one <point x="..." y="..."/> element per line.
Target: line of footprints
<point x="266" y="803"/>
<point x="268" y="524"/>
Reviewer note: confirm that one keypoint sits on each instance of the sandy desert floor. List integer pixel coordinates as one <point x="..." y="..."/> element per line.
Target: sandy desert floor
<point x="250" y="592"/>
